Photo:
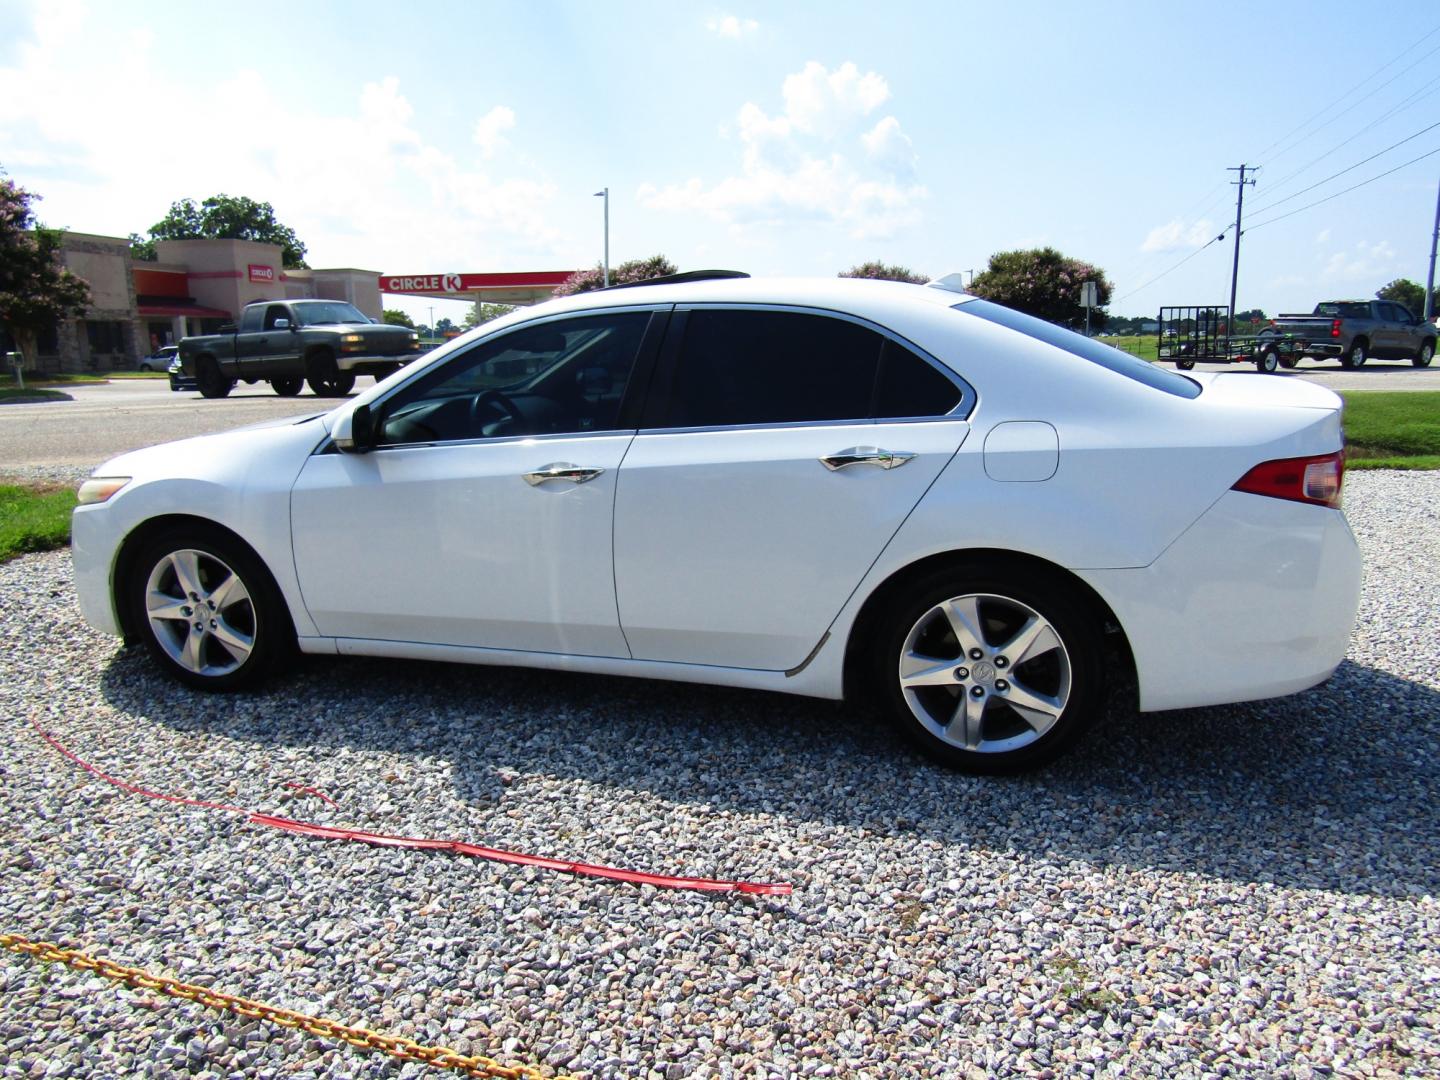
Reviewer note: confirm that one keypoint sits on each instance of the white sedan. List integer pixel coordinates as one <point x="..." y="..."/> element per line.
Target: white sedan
<point x="816" y="487"/>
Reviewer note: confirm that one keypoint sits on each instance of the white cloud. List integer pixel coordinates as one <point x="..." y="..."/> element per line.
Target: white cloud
<point x="820" y="159"/>
<point x="1366" y="261"/>
<point x="382" y="195"/>
<point x="1177" y="234"/>
<point x="1323" y="236"/>
<point x="490" y="129"/>
<point x="731" y="26"/>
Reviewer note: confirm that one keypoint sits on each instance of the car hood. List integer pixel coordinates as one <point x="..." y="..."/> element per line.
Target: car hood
<point x="225" y="453"/>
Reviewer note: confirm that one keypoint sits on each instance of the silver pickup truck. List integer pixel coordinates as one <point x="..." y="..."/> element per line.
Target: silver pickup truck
<point x="1354" y="331"/>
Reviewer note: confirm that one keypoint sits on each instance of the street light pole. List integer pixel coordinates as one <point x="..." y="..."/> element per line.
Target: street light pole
<point x="605" y="194"/>
<point x="1430" y="281"/>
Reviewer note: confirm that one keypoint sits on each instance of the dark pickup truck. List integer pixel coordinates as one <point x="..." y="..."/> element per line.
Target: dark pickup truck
<point x="1354" y="331"/>
<point x="323" y="342"/>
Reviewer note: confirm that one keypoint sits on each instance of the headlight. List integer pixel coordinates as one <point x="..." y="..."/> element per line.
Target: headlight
<point x="414" y="336"/>
<point x="352" y="339"/>
<point x="98" y="489"/>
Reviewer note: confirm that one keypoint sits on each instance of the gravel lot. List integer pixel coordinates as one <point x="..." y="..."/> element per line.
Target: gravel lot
<point x="1242" y="890"/>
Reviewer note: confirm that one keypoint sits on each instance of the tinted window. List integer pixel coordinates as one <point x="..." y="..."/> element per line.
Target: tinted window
<point x="911" y="386"/>
<point x="1107" y="356"/>
<point x="251" y="318"/>
<point x="1343" y="310"/>
<point x="1399" y="313"/>
<point x="566" y="376"/>
<point x="769" y="367"/>
<point x="273" y="312"/>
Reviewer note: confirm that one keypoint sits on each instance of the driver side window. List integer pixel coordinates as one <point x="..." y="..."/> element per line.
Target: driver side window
<point x="562" y="377"/>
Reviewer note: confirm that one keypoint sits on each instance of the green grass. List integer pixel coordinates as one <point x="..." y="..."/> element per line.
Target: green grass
<point x="33" y="519"/>
<point x="1142" y="345"/>
<point x="35" y="378"/>
<point x="136" y="375"/>
<point x="1387" y="429"/>
<point x="14" y="393"/>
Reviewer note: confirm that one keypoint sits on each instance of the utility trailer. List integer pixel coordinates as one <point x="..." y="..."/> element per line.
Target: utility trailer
<point x="1201" y="334"/>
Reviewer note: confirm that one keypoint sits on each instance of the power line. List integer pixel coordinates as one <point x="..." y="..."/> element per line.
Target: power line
<point x="1348" y="168"/>
<point x="1346" y="191"/>
<point x="1404" y="104"/>
<point x="1177" y="266"/>
<point x="1374" y="75"/>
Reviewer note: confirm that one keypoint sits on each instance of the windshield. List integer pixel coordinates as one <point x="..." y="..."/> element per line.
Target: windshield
<point x="1107" y="356"/>
<point x="329" y="311"/>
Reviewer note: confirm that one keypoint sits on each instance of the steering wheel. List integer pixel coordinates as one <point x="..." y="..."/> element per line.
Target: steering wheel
<point x="488" y="397"/>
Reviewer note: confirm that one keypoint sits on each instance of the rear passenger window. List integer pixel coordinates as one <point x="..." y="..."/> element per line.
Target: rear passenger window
<point x="910" y="386"/>
<point x="769" y="367"/>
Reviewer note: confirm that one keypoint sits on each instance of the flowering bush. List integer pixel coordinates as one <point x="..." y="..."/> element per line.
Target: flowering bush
<point x="625" y="274"/>
<point x="35" y="290"/>
<point x="1044" y="283"/>
<point x="879" y="271"/>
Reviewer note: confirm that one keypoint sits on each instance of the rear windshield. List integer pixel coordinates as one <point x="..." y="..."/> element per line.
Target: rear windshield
<point x="1341" y="310"/>
<point x="1107" y="356"/>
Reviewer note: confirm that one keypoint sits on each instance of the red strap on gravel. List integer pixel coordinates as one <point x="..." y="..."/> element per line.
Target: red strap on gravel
<point x="456" y="847"/>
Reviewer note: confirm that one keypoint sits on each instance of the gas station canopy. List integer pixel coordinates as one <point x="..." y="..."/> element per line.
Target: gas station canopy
<point x="528" y="287"/>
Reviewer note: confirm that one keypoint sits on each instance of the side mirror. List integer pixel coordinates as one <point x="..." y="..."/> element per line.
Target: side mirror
<point x="280" y="324"/>
<point x="354" y="431"/>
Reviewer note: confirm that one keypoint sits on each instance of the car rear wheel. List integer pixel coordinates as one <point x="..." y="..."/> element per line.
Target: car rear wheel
<point x="1184" y="365"/>
<point x="1425" y="355"/>
<point x="208" y="611"/>
<point x="288" y="386"/>
<point x="1289" y="360"/>
<point x="988" y="672"/>
<point x="209" y="380"/>
<point x="1356" y="356"/>
<point x="326" y="379"/>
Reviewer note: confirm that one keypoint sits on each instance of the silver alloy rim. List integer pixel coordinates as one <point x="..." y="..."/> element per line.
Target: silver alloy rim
<point x="1426" y="353"/>
<point x="200" y="612"/>
<point x="985" y="673"/>
<point x="1357" y="356"/>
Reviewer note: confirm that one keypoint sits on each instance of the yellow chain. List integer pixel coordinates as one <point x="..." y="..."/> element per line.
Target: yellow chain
<point x="397" y="1046"/>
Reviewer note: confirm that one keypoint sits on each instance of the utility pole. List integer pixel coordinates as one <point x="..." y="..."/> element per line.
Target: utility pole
<point x="1430" y="280"/>
<point x="1239" y="209"/>
<point x="605" y="194"/>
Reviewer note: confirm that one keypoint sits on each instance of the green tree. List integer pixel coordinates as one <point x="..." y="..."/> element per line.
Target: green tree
<point x="35" y="290"/>
<point x="1407" y="292"/>
<point x="483" y="313"/>
<point x="223" y="217"/>
<point x="1044" y="283"/>
<point x="396" y="317"/>
<point x="625" y="274"/>
<point x="444" y="326"/>
<point x="884" y="272"/>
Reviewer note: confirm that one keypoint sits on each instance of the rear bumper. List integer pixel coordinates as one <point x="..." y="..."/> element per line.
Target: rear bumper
<point x="1256" y="600"/>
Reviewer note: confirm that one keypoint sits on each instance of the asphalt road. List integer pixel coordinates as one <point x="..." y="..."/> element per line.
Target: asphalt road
<point x="105" y="419"/>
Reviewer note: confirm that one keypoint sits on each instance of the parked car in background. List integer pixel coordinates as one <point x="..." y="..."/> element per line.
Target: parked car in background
<point x="178" y="379"/>
<point x="160" y="359"/>
<point x="1354" y="331"/>
<point x="325" y="343"/>
<point x="832" y="488"/>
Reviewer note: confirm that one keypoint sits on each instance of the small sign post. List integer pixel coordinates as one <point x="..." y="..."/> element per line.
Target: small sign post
<point x="17" y="361"/>
<point x="1089" y="298"/>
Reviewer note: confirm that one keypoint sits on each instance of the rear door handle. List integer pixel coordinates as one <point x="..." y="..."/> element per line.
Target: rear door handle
<point x="866" y="455"/>
<point x="561" y="470"/>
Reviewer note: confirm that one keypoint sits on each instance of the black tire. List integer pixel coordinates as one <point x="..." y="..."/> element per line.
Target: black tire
<point x="325" y="378"/>
<point x="1267" y="361"/>
<point x="1356" y="355"/>
<point x="287" y="385"/>
<point x="1070" y="673"/>
<point x="1425" y="355"/>
<point x="1184" y="365"/>
<point x="208" y="379"/>
<point x="206" y="661"/>
<point x="1288" y="361"/>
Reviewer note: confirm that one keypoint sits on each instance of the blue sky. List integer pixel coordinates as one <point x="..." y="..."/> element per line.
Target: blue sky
<point x="779" y="139"/>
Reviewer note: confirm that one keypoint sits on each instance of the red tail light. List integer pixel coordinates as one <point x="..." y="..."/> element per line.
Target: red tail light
<point x="1315" y="480"/>
<point x="1335" y="327"/>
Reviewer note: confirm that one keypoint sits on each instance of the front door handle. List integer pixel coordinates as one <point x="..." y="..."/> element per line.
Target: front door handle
<point x="866" y="455"/>
<point x="561" y="470"/>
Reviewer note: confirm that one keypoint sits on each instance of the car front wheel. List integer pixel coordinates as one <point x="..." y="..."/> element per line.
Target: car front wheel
<point x="1425" y="355"/>
<point x="989" y="673"/>
<point x="207" y="610"/>
<point x="287" y="386"/>
<point x="325" y="377"/>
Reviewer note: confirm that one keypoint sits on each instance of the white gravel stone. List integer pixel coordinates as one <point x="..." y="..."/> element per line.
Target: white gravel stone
<point x="1240" y="890"/>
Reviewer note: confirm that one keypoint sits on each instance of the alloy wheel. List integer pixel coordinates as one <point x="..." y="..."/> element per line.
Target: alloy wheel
<point x="200" y="612"/>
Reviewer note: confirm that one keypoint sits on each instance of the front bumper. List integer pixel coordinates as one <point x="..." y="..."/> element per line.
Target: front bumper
<point x="351" y="362"/>
<point x="94" y="547"/>
<point x="1256" y="600"/>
